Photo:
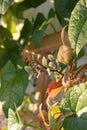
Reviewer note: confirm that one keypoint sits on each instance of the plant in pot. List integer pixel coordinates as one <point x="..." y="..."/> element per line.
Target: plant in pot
<point x="54" y="73"/>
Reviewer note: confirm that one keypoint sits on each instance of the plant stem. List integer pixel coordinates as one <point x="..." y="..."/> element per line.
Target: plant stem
<point x="53" y="70"/>
<point x="80" y="70"/>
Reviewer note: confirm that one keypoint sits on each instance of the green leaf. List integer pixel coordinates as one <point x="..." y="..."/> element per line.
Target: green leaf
<point x="4" y="33"/>
<point x="75" y="123"/>
<point x="81" y="53"/>
<point x="12" y="13"/>
<point x="16" y="59"/>
<point x="13" y="84"/>
<point x="10" y="51"/>
<point x="4" y="5"/>
<point x="54" y="110"/>
<point x="13" y="121"/>
<point x="26" y="4"/>
<point x="53" y="114"/>
<point x="52" y="123"/>
<point x="51" y="13"/>
<point x="26" y="32"/>
<point x="39" y="20"/>
<point x="63" y="10"/>
<point x="27" y="29"/>
<point x="78" y="26"/>
<point x="11" y="45"/>
<point x="4" y="56"/>
<point x="14" y="10"/>
<point x="82" y="113"/>
<point x="10" y="20"/>
<point x="75" y="99"/>
<point x="39" y="32"/>
<point x="62" y="67"/>
<point x="31" y="3"/>
<point x="38" y="35"/>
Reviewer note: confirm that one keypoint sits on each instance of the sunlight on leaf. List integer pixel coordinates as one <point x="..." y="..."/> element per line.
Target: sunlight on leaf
<point x="78" y="26"/>
<point x="75" y="102"/>
<point x="4" y="5"/>
<point x="75" y="98"/>
<point x="13" y="122"/>
<point x="53" y="114"/>
<point x="44" y="61"/>
<point x="54" y="110"/>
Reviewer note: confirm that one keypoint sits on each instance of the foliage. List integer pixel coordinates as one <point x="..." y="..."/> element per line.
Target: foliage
<point x="78" y="20"/>
<point x="14" y="121"/>
<point x="13" y="85"/>
<point x="4" y="5"/>
<point x="75" y="101"/>
<point x="63" y="10"/>
<point x="68" y="113"/>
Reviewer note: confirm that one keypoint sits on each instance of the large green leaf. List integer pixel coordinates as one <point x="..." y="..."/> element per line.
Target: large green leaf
<point x="4" y="5"/>
<point x="78" y="26"/>
<point x="4" y="56"/>
<point x="11" y="45"/>
<point x="75" y="123"/>
<point x="75" y="98"/>
<point x="9" y="50"/>
<point x="4" y="36"/>
<point x="63" y="10"/>
<point x="13" y="84"/>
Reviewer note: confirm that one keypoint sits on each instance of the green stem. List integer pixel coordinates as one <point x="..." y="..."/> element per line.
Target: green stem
<point x="19" y="120"/>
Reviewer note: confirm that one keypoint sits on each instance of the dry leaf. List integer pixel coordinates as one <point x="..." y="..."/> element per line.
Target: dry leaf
<point x="54" y="92"/>
<point x="54" y="85"/>
<point x="64" y="54"/>
<point x="66" y="81"/>
<point x="54" y="88"/>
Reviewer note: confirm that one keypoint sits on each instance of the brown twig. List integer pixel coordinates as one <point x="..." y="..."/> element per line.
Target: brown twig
<point x="42" y="117"/>
<point x="53" y="70"/>
<point x="80" y="71"/>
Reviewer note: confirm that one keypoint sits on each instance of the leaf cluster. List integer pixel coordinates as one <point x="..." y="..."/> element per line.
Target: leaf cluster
<point x="13" y="77"/>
